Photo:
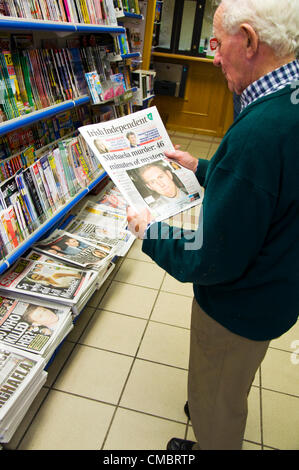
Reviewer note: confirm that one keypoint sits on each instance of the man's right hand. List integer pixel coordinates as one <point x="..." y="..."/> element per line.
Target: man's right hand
<point x="183" y="158"/>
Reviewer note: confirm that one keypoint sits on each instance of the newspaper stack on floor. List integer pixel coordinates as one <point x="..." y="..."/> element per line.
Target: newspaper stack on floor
<point x="21" y="378"/>
<point x="50" y="282"/>
<point x="35" y="326"/>
<point x="131" y="150"/>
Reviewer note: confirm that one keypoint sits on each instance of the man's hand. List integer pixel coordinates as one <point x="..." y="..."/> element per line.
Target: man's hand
<point x="138" y="222"/>
<point x="185" y="159"/>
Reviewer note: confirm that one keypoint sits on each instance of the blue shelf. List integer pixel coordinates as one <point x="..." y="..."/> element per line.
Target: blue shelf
<point x="43" y="25"/>
<point x="20" y="250"/>
<point x="133" y="15"/>
<point x="131" y="55"/>
<point x="93" y="28"/>
<point x="27" y="119"/>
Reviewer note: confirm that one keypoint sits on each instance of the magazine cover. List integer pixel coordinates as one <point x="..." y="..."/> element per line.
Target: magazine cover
<point x="131" y="150"/>
<point x="69" y="248"/>
<point x="31" y="326"/>
<point x="52" y="282"/>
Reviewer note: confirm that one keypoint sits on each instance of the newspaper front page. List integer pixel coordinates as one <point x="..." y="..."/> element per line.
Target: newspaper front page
<point x="131" y="150"/>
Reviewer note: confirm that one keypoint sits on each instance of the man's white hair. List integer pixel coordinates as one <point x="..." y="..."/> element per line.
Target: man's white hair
<point x="275" y="21"/>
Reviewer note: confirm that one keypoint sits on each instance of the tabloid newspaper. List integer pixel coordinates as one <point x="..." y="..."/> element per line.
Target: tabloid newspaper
<point x="104" y="226"/>
<point x="68" y="247"/>
<point x="46" y="281"/>
<point x="33" y="327"/>
<point x="131" y="150"/>
<point x="21" y="377"/>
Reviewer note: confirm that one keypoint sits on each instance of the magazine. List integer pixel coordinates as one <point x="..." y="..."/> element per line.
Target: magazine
<point x="131" y="150"/>
<point x="70" y="248"/>
<point x="48" y="281"/>
<point x="32" y="326"/>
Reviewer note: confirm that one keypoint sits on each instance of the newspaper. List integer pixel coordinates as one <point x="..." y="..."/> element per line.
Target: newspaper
<point x="32" y="326"/>
<point x="68" y="247"/>
<point x="47" y="281"/>
<point x="131" y="150"/>
<point x="17" y="371"/>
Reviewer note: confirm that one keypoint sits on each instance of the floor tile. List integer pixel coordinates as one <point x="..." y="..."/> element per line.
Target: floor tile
<point x="140" y="273"/>
<point x="279" y="373"/>
<point x="80" y="323"/>
<point x="199" y="149"/>
<point x="66" y="422"/>
<point x="166" y="344"/>
<point x="58" y="361"/>
<point x="129" y="299"/>
<point x="135" y="252"/>
<point x="99" y="294"/>
<point x="131" y="430"/>
<point x="213" y="149"/>
<point x="114" y="331"/>
<point x="280" y="420"/>
<point x="183" y="143"/>
<point x="151" y="387"/>
<point x="25" y="423"/>
<point x="170" y="284"/>
<point x="94" y="373"/>
<point x="289" y="341"/>
<point x="173" y="309"/>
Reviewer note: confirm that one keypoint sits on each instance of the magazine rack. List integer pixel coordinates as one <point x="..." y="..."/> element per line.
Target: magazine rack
<point x="21" y="24"/>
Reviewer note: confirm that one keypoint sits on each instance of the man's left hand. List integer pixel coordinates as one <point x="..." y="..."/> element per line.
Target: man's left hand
<point x="138" y="222"/>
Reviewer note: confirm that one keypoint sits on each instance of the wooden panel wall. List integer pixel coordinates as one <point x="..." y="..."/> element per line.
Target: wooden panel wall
<point x="207" y="107"/>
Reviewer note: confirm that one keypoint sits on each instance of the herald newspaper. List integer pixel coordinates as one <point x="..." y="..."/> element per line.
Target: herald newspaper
<point x="131" y="150"/>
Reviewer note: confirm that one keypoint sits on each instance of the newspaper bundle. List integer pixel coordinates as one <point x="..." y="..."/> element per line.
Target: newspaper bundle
<point x="131" y="150"/>
<point x="21" y="378"/>
<point x="69" y="248"/>
<point x="33" y="326"/>
<point x="28" y="279"/>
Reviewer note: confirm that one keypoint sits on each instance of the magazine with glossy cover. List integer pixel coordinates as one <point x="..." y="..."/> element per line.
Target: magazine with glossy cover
<point x="131" y="150"/>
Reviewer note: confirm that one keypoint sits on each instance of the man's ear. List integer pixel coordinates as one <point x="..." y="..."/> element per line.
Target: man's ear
<point x="251" y="38"/>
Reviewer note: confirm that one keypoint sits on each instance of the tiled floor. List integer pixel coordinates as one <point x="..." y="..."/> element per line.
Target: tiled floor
<point x="119" y="380"/>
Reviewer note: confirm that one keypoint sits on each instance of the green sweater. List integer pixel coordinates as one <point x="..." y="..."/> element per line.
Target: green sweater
<point x="246" y="272"/>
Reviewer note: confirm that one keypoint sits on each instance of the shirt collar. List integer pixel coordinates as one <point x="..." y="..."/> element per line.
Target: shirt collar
<point x="273" y="81"/>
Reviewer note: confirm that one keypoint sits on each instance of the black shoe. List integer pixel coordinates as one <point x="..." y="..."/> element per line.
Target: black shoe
<point x="186" y="409"/>
<point x="180" y="444"/>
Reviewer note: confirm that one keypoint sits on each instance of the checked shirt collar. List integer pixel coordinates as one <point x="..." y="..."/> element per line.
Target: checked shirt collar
<point x="273" y="81"/>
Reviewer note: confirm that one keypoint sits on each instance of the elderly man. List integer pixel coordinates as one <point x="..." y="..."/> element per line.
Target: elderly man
<point x="246" y="273"/>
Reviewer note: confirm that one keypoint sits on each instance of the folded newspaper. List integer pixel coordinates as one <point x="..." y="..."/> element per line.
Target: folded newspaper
<point x="22" y="376"/>
<point x="131" y="150"/>
<point x="68" y="247"/>
<point x="33" y="326"/>
<point x="47" y="281"/>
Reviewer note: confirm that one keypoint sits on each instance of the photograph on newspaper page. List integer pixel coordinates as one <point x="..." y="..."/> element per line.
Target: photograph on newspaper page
<point x="131" y="150"/>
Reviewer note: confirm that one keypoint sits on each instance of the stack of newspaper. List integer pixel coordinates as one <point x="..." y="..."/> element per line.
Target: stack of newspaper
<point x="22" y="376"/>
<point x="53" y="283"/>
<point x="33" y="325"/>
